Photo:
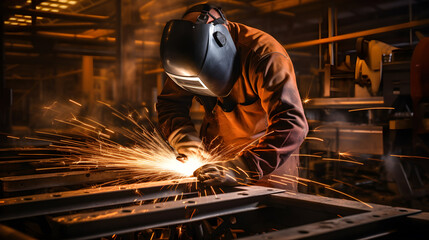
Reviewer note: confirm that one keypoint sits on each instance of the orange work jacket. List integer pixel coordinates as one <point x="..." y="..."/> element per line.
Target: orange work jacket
<point x="263" y="104"/>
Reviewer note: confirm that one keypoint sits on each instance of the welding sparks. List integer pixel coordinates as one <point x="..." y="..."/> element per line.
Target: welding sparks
<point x="350" y="196"/>
<point x="12" y="137"/>
<point x="72" y="101"/>
<point x="145" y="156"/>
<point x="287" y="179"/>
<point x="193" y="212"/>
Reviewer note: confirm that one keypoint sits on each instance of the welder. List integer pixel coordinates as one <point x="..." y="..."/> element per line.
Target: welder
<point x="246" y="82"/>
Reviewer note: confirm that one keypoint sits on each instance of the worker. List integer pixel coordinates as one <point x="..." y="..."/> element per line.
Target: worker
<point x="246" y="82"/>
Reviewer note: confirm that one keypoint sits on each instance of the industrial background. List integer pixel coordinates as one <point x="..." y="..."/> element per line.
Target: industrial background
<point x="362" y="69"/>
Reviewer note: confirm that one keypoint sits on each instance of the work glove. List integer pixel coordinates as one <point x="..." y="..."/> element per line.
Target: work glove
<point x="186" y="142"/>
<point x="193" y="151"/>
<point x="229" y="173"/>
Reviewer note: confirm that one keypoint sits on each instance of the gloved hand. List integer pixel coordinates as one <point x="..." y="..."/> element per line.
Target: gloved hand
<point x="229" y="173"/>
<point x="190" y="151"/>
<point x="186" y="141"/>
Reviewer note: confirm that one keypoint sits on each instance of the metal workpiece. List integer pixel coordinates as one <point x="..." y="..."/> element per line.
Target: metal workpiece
<point x="57" y="202"/>
<point x="12" y="234"/>
<point x="47" y="180"/>
<point x="137" y="218"/>
<point x="320" y="203"/>
<point x="354" y="219"/>
<point x="358" y="225"/>
<point x="250" y="212"/>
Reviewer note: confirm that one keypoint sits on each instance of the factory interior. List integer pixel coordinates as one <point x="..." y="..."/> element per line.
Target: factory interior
<point x="80" y="146"/>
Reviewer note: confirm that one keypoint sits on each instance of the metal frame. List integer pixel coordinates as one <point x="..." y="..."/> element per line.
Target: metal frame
<point x="368" y="221"/>
<point x="137" y="218"/>
<point x="49" y="203"/>
<point x="137" y="207"/>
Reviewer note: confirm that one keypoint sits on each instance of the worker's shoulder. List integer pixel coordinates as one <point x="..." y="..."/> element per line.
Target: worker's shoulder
<point x="255" y="41"/>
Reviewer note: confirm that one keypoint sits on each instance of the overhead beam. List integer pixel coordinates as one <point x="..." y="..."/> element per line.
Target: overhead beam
<point x="74" y="38"/>
<point x="275" y="6"/>
<point x="64" y="16"/>
<point x="358" y="34"/>
<point x="58" y="26"/>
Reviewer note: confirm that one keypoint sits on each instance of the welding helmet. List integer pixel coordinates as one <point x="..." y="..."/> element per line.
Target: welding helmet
<point x="200" y="57"/>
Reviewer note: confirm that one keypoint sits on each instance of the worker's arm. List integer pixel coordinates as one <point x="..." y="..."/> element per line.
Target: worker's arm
<point x="173" y="117"/>
<point x="273" y="79"/>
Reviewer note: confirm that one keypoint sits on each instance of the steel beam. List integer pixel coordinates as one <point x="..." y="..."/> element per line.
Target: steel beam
<point x="12" y="234"/>
<point x="48" y="203"/>
<point x="62" y="37"/>
<point x="2" y="54"/>
<point x="294" y="215"/>
<point x="135" y="218"/>
<point x="65" y="16"/>
<point x="340" y="228"/>
<point x="58" y="26"/>
<point x="358" y="34"/>
<point x="47" y="180"/>
<point x="345" y="103"/>
<point x="357" y="218"/>
<point x="5" y="93"/>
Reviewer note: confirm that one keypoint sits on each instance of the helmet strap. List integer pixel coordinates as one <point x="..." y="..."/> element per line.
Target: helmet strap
<point x="203" y="18"/>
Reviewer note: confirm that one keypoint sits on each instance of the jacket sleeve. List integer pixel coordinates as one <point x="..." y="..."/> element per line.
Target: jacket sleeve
<point x="173" y="116"/>
<point x="273" y="79"/>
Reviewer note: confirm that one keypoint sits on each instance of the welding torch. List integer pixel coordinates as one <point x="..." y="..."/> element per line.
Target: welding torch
<point x="179" y="156"/>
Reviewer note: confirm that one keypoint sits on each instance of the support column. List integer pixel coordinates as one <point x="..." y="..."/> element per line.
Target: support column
<point x="118" y="86"/>
<point x="410" y="18"/>
<point x="5" y="93"/>
<point x="331" y="29"/>
<point x="88" y="78"/>
<point x="126" y="52"/>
